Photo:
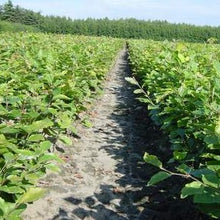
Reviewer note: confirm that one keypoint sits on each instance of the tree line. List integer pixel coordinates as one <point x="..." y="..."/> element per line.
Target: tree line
<point x="121" y="28"/>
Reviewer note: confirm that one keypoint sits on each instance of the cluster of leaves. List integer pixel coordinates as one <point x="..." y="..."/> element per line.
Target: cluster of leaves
<point x="180" y="82"/>
<point x="45" y="81"/>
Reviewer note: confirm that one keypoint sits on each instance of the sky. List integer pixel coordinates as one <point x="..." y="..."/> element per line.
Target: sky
<point x="198" y="12"/>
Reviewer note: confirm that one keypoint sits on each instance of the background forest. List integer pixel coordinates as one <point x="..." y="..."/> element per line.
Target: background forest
<point x="121" y="28"/>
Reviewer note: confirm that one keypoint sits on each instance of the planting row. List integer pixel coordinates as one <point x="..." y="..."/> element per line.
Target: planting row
<point x="45" y="82"/>
<point x="180" y="82"/>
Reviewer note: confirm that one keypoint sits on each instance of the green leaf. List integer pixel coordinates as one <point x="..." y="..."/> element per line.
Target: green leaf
<point x="9" y="130"/>
<point x="32" y="115"/>
<point x="62" y="97"/>
<point x="15" y="113"/>
<point x="216" y="65"/>
<point x="217" y="128"/>
<point x="65" y="139"/>
<point x="211" y="140"/>
<point x="45" y="145"/>
<point x="53" y="111"/>
<point x="73" y="130"/>
<point x="183" y="168"/>
<point x="153" y="160"/>
<point x="209" y="196"/>
<point x="181" y="58"/>
<point x="179" y="155"/>
<point x="199" y="172"/>
<point x="211" y="180"/>
<point x="5" y="145"/>
<point x="64" y="121"/>
<point x="26" y="154"/>
<point x="14" y="178"/>
<point x="138" y="91"/>
<point x="3" y="207"/>
<point x="3" y="111"/>
<point x="32" y="178"/>
<point x="36" y="138"/>
<point x="192" y="188"/>
<point x="38" y="125"/>
<point x="31" y="195"/>
<point x="15" y="214"/>
<point x="6" y="207"/>
<point x="133" y="81"/>
<point x="214" y="166"/>
<point x="11" y="189"/>
<point x="158" y="177"/>
<point x="53" y="167"/>
<point x="87" y="123"/>
<point x="2" y="139"/>
<point x="9" y="156"/>
<point x="49" y="157"/>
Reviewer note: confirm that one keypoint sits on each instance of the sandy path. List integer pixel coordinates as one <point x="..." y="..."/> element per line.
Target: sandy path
<point x="96" y="182"/>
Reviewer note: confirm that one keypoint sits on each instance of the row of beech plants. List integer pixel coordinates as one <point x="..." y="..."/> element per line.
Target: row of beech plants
<point x="45" y="81"/>
<point x="180" y="82"/>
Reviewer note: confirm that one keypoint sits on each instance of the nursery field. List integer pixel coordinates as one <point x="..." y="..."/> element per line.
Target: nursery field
<point x="47" y="81"/>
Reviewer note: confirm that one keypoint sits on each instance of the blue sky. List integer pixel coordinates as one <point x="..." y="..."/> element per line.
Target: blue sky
<point x="199" y="12"/>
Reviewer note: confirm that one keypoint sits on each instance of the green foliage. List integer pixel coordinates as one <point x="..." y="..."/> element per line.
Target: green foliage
<point x="45" y="82"/>
<point x="153" y="160"/>
<point x="31" y="195"/>
<point x="181" y="86"/>
<point x="16" y="27"/>
<point x="158" y="177"/>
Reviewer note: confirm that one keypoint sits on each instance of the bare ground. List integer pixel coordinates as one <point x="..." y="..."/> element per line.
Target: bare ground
<point x="104" y="176"/>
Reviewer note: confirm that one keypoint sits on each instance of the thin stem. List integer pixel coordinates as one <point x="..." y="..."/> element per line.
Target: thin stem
<point x="140" y="87"/>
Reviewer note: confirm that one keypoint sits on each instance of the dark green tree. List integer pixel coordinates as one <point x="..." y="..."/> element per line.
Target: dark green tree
<point x="121" y="28"/>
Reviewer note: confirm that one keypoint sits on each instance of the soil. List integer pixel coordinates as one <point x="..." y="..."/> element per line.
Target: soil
<point x="104" y="176"/>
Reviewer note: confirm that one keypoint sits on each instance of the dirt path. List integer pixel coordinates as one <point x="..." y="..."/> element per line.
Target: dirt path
<point x="104" y="177"/>
<point x="95" y="182"/>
